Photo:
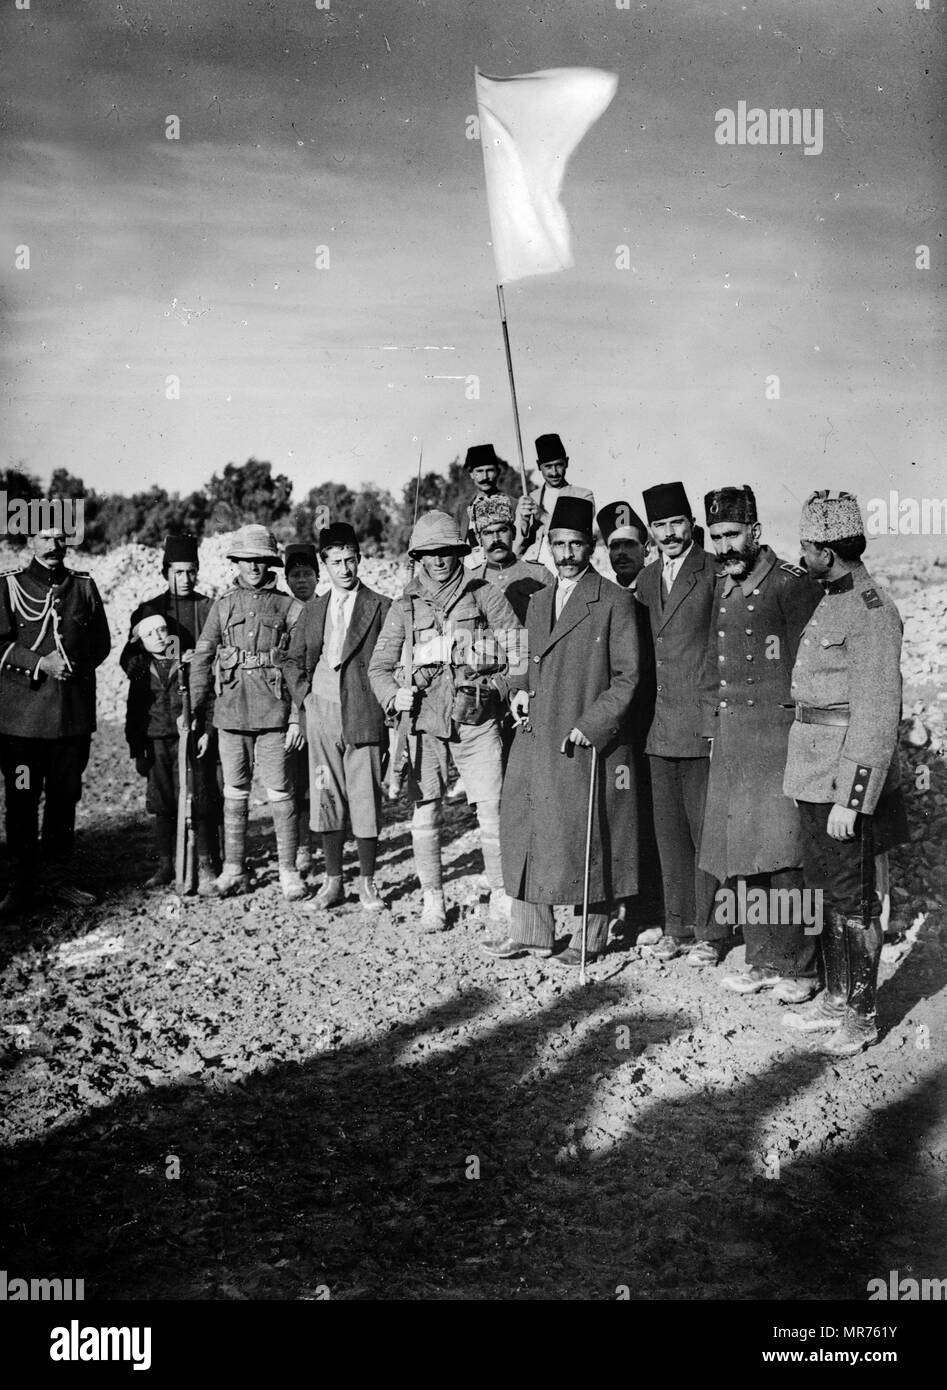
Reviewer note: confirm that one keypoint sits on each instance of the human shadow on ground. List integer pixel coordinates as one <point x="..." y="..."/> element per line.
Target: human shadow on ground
<point x="462" y="1155"/>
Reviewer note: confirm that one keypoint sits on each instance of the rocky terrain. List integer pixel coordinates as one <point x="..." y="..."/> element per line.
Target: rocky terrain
<point x="244" y="1100"/>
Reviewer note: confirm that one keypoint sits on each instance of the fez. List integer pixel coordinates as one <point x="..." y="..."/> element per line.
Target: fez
<point x="550" y="449"/>
<point x="180" y="550"/>
<point x="573" y="514"/>
<point x="619" y="521"/>
<point x="340" y="533"/>
<point x="479" y="455"/>
<point x="664" y="500"/>
<point x="301" y="553"/>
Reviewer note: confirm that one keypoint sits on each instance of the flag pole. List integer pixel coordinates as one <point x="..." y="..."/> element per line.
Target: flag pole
<point x="509" y="368"/>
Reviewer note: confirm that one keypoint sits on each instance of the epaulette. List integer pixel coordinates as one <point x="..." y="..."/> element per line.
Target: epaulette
<point x="793" y="569"/>
<point x="4" y="573"/>
<point x="872" y="599"/>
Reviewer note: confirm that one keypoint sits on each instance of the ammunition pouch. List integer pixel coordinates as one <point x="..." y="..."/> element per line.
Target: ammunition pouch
<point x="474" y="702"/>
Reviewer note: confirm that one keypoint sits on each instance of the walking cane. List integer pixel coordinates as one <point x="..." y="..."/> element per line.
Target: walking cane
<point x="588" y="866"/>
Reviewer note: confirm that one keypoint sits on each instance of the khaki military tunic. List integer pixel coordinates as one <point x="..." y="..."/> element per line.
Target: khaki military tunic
<point x="849" y="664"/>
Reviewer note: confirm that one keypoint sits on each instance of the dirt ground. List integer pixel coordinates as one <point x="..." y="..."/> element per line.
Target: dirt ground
<point x="239" y="1100"/>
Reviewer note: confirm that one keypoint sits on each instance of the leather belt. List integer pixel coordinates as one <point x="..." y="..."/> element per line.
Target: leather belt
<point x="811" y="714"/>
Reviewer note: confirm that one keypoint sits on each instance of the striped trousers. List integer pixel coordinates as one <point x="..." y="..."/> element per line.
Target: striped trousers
<point x="533" y="924"/>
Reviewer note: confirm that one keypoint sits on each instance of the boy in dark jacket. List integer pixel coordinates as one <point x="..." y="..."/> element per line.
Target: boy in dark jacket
<point x="151" y="730"/>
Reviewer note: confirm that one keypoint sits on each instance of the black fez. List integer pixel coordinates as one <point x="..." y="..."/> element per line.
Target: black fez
<point x="180" y="549"/>
<point x="549" y="449"/>
<point x="620" y="516"/>
<point x="479" y="455"/>
<point x="731" y="504"/>
<point x="339" y="533"/>
<point x="301" y="553"/>
<point x="664" y="500"/>
<point x="573" y="514"/>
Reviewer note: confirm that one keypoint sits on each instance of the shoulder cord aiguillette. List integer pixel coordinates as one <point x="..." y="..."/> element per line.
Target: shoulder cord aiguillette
<point x="31" y="610"/>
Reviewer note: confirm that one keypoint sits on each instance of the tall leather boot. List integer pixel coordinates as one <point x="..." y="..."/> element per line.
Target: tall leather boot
<point x="163" y="852"/>
<point x="286" y="827"/>
<point x="233" y="878"/>
<point x="829" y="1009"/>
<point x="859" y="1028"/>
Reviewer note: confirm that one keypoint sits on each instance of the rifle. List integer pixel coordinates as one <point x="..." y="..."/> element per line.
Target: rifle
<point x="398" y="740"/>
<point x="404" y="719"/>
<point x="185" y="858"/>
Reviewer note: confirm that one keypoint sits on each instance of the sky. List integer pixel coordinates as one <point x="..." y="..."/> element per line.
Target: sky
<point x="308" y="124"/>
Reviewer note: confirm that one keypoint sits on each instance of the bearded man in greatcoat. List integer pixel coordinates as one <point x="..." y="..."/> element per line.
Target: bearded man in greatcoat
<point x="575" y="694"/>
<point x="751" y="829"/>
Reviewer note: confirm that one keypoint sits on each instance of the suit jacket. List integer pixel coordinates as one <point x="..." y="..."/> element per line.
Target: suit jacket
<point x="581" y="673"/>
<point x="680" y="626"/>
<point x="363" y="720"/>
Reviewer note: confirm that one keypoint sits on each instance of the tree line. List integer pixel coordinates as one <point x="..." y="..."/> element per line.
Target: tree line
<point x="252" y="492"/>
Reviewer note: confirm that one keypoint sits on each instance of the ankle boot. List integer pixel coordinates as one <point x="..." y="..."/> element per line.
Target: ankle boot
<point x="859" y="1028"/>
<point x="303" y="845"/>
<point x="285" y="824"/>
<point x="233" y="879"/>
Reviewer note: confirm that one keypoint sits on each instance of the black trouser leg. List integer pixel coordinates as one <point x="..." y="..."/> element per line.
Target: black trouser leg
<point x="23" y="765"/>
<point x="67" y="761"/>
<point x="780" y="943"/>
<point x="695" y="773"/>
<point x="675" y="846"/>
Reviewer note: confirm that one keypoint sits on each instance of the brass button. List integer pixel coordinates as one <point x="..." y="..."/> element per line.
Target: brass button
<point x="721" y="633"/>
<point x="749" y="608"/>
<point x="723" y="682"/>
<point x="751" y="702"/>
<point x="721" y="657"/>
<point x="748" y="631"/>
<point x="859" y="787"/>
<point x="749" y="656"/>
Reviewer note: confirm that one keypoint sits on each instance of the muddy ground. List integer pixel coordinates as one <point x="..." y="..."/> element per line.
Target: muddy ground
<point x="240" y="1100"/>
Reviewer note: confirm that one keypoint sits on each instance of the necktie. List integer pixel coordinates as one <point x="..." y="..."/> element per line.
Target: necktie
<point x="337" y="640"/>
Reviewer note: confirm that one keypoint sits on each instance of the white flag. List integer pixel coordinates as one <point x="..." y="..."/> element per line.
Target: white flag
<point x="529" y="126"/>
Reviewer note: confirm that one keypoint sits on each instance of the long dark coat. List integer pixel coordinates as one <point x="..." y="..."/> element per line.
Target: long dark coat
<point x="582" y="674"/>
<point x="750" y="826"/>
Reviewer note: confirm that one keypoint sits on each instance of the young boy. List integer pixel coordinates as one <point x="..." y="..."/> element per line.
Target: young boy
<point x="243" y="645"/>
<point x="151" y="730"/>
